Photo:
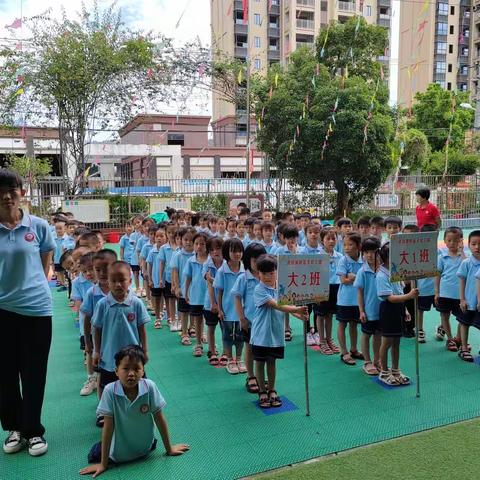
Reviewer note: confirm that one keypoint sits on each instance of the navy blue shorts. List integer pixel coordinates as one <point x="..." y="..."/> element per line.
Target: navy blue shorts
<point x="391" y="317"/>
<point x="330" y="306"/>
<point x="348" y="314"/>
<point x="262" y="354"/>
<point x="156" y="292"/>
<point x="196" y="310"/>
<point x="135" y="268"/>
<point x="58" y="268"/>
<point x="449" y="305"/>
<point x="425" y="303"/>
<point x="232" y="333"/>
<point x="468" y="318"/>
<point x="183" y="306"/>
<point x="167" y="291"/>
<point x="211" y="319"/>
<point x="371" y="327"/>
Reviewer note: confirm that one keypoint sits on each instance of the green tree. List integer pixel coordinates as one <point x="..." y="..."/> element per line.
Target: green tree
<point x="459" y="163"/>
<point x="352" y="47"/>
<point x="31" y="169"/>
<point x="414" y="148"/>
<point x="437" y="112"/>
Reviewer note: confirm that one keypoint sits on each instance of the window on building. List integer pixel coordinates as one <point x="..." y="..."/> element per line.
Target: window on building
<point x="257" y="42"/>
<point x="442" y="9"/>
<point x="175" y="139"/>
<point x="258" y="64"/>
<point x="452" y="10"/>
<point x="383" y="10"/>
<point x="450" y="68"/>
<point x="257" y="19"/>
<point x="463" y="87"/>
<point x="442" y="28"/>
<point x="452" y="29"/>
<point x="441" y="83"/>
<point x="440" y="67"/>
<point x="464" y="70"/>
<point x="466" y="33"/>
<point x="324" y="6"/>
<point x="368" y="11"/>
<point x="449" y="86"/>
<point x="465" y="51"/>
<point x="450" y="48"/>
<point x="441" y="48"/>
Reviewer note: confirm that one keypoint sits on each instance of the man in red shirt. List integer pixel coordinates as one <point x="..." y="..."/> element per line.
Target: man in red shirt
<point x="427" y="213"/>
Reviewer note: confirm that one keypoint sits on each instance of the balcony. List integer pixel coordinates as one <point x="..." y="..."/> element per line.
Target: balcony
<point x="274" y="32"/>
<point x="241" y="52"/>
<point x="384" y="3"/>
<point x="273" y="55"/>
<point x="306" y="3"/>
<point x="305" y="44"/>
<point x="306" y="24"/>
<point x="347" y="6"/>
<point x="384" y="22"/>
<point x="240" y="29"/>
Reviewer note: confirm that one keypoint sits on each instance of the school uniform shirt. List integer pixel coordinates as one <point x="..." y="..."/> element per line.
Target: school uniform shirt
<point x="209" y="266"/>
<point x="244" y="288"/>
<point x="178" y="261"/>
<point x="448" y="267"/>
<point x="80" y="287"/>
<point x="23" y="287"/>
<point x="339" y="244"/>
<point x="366" y="280"/>
<point x="468" y="271"/>
<point x="347" y="294"/>
<point x="147" y="247"/>
<point x="225" y="280"/>
<point x="246" y="241"/>
<point x="127" y="248"/>
<point x="68" y="243"/>
<point x="198" y="284"/>
<point x="133" y="435"/>
<point x="154" y="260"/>
<point x="283" y="250"/>
<point x="268" y="324"/>
<point x="306" y="249"/>
<point x="57" y="253"/>
<point x="90" y="300"/>
<point x="385" y="287"/>
<point x="269" y="248"/>
<point x="426" y="287"/>
<point x="142" y="240"/>
<point x="165" y="255"/>
<point x="119" y="322"/>
<point x="302" y="239"/>
<point x="333" y="278"/>
<point x="134" y="238"/>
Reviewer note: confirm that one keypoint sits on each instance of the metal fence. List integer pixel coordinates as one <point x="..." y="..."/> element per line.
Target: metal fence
<point x="457" y="197"/>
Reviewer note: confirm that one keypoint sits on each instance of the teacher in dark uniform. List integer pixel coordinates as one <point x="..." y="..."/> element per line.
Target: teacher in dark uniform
<point x="26" y="248"/>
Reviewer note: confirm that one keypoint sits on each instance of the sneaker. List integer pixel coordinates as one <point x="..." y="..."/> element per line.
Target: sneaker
<point x="421" y="337"/>
<point x="89" y="386"/>
<point x="13" y="443"/>
<point x="440" y="335"/>
<point x="232" y="367"/>
<point x="37" y="446"/>
<point x="316" y="337"/>
<point x="311" y="339"/>
<point x="241" y="367"/>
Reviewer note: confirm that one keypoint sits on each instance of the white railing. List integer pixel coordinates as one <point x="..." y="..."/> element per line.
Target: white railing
<point x="308" y="3"/>
<point x="305" y="44"/>
<point x="347" y="6"/>
<point x="305" y="24"/>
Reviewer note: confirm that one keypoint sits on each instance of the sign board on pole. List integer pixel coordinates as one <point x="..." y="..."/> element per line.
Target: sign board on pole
<point x="256" y="202"/>
<point x="88" y="211"/>
<point x="413" y="256"/>
<point x="159" y="204"/>
<point x="302" y="279"/>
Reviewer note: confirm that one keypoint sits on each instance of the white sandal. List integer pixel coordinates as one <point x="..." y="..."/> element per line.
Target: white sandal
<point x="387" y="378"/>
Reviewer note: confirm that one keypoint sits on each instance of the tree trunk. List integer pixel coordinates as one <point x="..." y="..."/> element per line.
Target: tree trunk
<point x="342" y="207"/>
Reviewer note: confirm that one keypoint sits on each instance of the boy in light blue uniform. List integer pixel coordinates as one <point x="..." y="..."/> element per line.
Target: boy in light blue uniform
<point x="119" y="319"/>
<point x="467" y="273"/>
<point x="69" y="241"/>
<point x="131" y="405"/>
<point x="164" y="257"/>
<point x="267" y="336"/>
<point x="312" y="244"/>
<point x="59" y="238"/>
<point x="126" y="248"/>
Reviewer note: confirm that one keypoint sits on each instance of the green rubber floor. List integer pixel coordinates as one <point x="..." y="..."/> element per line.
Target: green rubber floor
<point x="229" y="436"/>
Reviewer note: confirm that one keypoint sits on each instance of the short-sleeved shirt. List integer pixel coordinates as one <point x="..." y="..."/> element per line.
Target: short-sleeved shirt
<point x="134" y="238"/>
<point x="427" y="215"/>
<point x="57" y="253"/>
<point x="119" y="322"/>
<point x="333" y="278"/>
<point x="225" y="280"/>
<point x="283" y="250"/>
<point x="142" y="240"/>
<point x="385" y="287"/>
<point x="165" y="256"/>
<point x="347" y="294"/>
<point x="133" y="435"/>
<point x="244" y="288"/>
<point x="80" y="287"/>
<point x="448" y="267"/>
<point x="269" y="248"/>
<point x="366" y="280"/>
<point x="302" y="239"/>
<point x="154" y="261"/>
<point x="468" y="271"/>
<point x="90" y="300"/>
<point x="426" y="287"/>
<point x="306" y="249"/>
<point x="209" y="266"/>
<point x="198" y="284"/>
<point x="246" y="241"/>
<point x="68" y="243"/>
<point x="147" y="246"/>
<point x="179" y="261"/>
<point x="23" y="286"/>
<point x="268" y="324"/>
<point x="127" y="248"/>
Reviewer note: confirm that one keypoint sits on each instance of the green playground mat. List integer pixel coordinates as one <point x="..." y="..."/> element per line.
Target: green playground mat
<point x="229" y="436"/>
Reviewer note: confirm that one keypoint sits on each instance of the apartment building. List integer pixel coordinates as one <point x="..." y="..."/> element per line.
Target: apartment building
<point x="436" y="46"/>
<point x="269" y="33"/>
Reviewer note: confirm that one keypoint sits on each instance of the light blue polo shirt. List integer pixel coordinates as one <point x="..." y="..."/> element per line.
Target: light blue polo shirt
<point x="468" y="271"/>
<point x="225" y="280"/>
<point x="385" y="287"/>
<point x="165" y="256"/>
<point x="80" y="287"/>
<point x="426" y="287"/>
<point x="134" y="238"/>
<point x="57" y="253"/>
<point x="154" y="261"/>
<point x="141" y="241"/>
<point x="246" y="241"/>
<point x="133" y="435"/>
<point x="333" y="278"/>
<point x="23" y="287"/>
<point x="302" y="238"/>
<point x="270" y="249"/>
<point x="209" y="266"/>
<point x="68" y="243"/>
<point x="244" y="288"/>
<point x="366" y="280"/>
<point x="198" y="284"/>
<point x="339" y="245"/>
<point x="308" y="250"/>
<point x="90" y="300"/>
<point x="178" y="261"/>
<point x="283" y="250"/>
<point x="347" y="294"/>
<point x="268" y="324"/>
<point x="448" y="267"/>
<point x="147" y="247"/>
<point x="127" y="248"/>
<point x="119" y="323"/>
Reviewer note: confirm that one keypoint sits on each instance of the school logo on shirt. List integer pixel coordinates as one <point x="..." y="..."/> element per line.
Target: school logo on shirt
<point x="131" y="317"/>
<point x="144" y="408"/>
<point x="29" y="237"/>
